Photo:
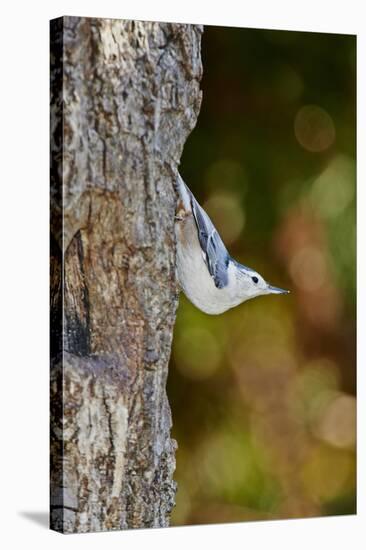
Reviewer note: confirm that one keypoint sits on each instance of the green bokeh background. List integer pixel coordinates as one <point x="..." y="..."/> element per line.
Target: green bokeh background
<point x="263" y="396"/>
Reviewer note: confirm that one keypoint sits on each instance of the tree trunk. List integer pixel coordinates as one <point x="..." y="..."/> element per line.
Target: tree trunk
<point x="124" y="97"/>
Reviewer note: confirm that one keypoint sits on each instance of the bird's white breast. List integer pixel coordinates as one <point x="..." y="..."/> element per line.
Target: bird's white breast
<point x="193" y="274"/>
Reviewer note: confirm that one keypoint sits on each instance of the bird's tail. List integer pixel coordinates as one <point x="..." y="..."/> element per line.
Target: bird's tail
<point x="184" y="193"/>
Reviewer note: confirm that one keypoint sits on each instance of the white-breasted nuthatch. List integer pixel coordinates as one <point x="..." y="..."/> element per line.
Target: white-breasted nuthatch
<point x="210" y="278"/>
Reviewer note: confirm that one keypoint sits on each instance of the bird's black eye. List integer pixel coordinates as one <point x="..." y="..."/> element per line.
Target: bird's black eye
<point x="255" y="280"/>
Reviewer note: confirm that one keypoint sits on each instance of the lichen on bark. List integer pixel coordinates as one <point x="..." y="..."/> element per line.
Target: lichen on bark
<point x="124" y="97"/>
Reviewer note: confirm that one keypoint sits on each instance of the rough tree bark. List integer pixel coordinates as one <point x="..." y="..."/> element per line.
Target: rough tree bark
<point x="124" y="97"/>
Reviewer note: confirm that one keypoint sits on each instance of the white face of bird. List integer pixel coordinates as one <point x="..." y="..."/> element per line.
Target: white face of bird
<point x="251" y="284"/>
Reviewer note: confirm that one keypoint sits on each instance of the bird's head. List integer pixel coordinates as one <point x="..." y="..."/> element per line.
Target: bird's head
<point x="250" y="284"/>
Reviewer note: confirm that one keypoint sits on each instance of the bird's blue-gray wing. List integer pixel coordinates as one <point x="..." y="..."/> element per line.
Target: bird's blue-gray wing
<point x="214" y="250"/>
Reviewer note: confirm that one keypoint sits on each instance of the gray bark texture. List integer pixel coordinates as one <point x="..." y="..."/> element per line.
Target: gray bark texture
<point x="124" y="97"/>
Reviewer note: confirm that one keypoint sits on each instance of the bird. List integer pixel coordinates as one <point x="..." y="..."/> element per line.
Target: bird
<point x="210" y="278"/>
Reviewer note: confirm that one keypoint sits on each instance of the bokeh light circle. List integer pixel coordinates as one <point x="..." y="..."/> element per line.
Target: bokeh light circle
<point x="225" y="210"/>
<point x="197" y="353"/>
<point x="314" y="128"/>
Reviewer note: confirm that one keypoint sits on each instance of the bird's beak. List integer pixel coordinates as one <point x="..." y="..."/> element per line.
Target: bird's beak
<point x="275" y="290"/>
